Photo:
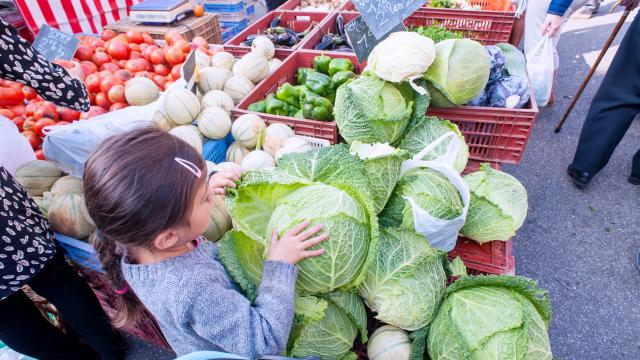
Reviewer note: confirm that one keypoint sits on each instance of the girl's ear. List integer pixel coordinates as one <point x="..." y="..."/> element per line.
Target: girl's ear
<point x="166" y="239"/>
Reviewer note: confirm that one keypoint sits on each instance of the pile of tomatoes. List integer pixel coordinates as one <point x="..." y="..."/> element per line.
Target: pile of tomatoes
<point x="108" y="62"/>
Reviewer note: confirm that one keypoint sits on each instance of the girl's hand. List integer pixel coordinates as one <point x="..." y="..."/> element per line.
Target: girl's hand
<point x="551" y="25"/>
<point x="223" y="179"/>
<point x="292" y="247"/>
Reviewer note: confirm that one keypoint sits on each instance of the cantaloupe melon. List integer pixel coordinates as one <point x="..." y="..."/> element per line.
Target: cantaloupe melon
<point x="389" y="343"/>
<point x="228" y="166"/>
<point x="293" y="145"/>
<point x="256" y="160"/>
<point x="37" y="176"/>
<point x="246" y="128"/>
<point x="214" y="123"/>
<point x="69" y="216"/>
<point x="274" y="137"/>
<point x="219" y="222"/>
<point x="263" y="46"/>
<point x="161" y="121"/>
<point x="189" y="134"/>
<point x="181" y="106"/>
<point x="238" y="87"/>
<point x="223" y="60"/>
<point x="217" y="98"/>
<point x="236" y="152"/>
<point x="253" y="66"/>
<point x="67" y="185"/>
<point x="212" y="79"/>
<point x="141" y="91"/>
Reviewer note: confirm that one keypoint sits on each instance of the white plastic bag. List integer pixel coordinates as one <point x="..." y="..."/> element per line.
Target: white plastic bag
<point x="14" y="148"/>
<point x="442" y="234"/>
<point x="71" y="145"/>
<point x="540" y="67"/>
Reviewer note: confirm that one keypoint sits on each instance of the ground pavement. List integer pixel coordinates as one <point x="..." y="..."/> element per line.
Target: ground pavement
<point x="578" y="244"/>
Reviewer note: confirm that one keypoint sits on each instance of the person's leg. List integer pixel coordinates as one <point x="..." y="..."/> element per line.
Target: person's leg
<point x="518" y="31"/>
<point x="25" y="330"/>
<point x="615" y="105"/>
<point x="78" y="306"/>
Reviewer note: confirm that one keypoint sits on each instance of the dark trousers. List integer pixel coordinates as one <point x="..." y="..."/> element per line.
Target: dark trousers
<point x="25" y="330"/>
<point x="613" y="109"/>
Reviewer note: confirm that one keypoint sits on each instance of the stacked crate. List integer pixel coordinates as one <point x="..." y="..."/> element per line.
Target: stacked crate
<point x="234" y="15"/>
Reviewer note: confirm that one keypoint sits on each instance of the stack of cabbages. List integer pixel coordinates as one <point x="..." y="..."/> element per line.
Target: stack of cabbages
<point x="373" y="257"/>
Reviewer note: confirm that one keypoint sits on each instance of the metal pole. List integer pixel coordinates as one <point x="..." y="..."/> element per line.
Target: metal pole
<point x="613" y="35"/>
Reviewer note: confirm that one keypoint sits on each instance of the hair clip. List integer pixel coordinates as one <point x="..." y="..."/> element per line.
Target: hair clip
<point x="189" y="166"/>
<point x="123" y="290"/>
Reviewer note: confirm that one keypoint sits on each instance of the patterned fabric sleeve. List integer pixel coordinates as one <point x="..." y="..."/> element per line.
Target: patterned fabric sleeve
<point x="22" y="63"/>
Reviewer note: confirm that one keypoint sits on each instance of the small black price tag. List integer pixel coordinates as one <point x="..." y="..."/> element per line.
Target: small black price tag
<point x="189" y="71"/>
<point x="54" y="44"/>
<point x="383" y="16"/>
<point x="362" y="39"/>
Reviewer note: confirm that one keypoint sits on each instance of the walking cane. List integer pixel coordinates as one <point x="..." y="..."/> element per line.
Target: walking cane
<point x="613" y="35"/>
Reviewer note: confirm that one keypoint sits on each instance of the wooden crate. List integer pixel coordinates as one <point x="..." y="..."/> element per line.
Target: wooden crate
<point x="206" y="26"/>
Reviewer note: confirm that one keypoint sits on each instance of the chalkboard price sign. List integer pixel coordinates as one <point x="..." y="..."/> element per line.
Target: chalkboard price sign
<point x="382" y="16"/>
<point x="362" y="39"/>
<point x="54" y="44"/>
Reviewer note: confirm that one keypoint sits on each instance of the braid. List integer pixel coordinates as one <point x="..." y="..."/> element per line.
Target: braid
<point x="128" y="306"/>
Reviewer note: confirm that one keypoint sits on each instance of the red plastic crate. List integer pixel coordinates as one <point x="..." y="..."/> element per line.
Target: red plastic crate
<point x="493" y="134"/>
<point x="483" y="4"/>
<point x="328" y="26"/>
<point x="292" y="4"/>
<point x="495" y="257"/>
<point x="287" y="73"/>
<point x="295" y="20"/>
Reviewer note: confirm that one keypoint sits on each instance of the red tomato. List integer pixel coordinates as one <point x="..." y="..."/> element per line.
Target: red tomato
<point x="7" y="113"/>
<point x="108" y="35"/>
<point x="40" y="125"/>
<point x="148" y="50"/>
<point x="118" y="106"/>
<point x="137" y="65"/>
<point x="10" y="96"/>
<point x="199" y="41"/>
<point x="32" y="138"/>
<point x="88" y="67"/>
<point x="122" y="63"/>
<point x="174" y="55"/>
<point x="108" y="82"/>
<point x="29" y="123"/>
<point x="18" y="110"/>
<point x="93" y="82"/>
<point x="135" y="36"/>
<point x="40" y="154"/>
<point x="92" y="98"/>
<point x="146" y="74"/>
<point x="103" y="74"/>
<point x="117" y="49"/>
<point x="157" y="57"/>
<point x="93" y="111"/>
<point x="123" y="74"/>
<point x="59" y="123"/>
<point x="31" y="108"/>
<point x="110" y="67"/>
<point x="161" y="69"/>
<point x="183" y="45"/>
<point x="46" y="110"/>
<point x="135" y="55"/>
<point x="134" y="47"/>
<point x="66" y="114"/>
<point x="168" y="37"/>
<point x="64" y="63"/>
<point x="159" y="80"/>
<point x="175" y="72"/>
<point x="85" y="52"/>
<point x="148" y="39"/>
<point x="116" y="94"/>
<point x="100" y="58"/>
<point x="19" y="121"/>
<point x="102" y="100"/>
<point x="96" y="42"/>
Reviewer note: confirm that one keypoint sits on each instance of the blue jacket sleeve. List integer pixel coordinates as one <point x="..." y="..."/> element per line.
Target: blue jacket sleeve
<point x="559" y="7"/>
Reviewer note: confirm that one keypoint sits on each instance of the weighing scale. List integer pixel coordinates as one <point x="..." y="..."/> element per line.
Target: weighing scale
<point x="160" y="11"/>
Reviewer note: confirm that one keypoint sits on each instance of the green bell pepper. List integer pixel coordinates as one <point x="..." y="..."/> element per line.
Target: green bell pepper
<point x="321" y="64"/>
<point x="260" y="106"/>
<point x="299" y="115"/>
<point x="319" y="83"/>
<point x="337" y="65"/>
<point x="293" y="110"/>
<point x="317" y="108"/>
<point x="289" y="94"/>
<point x="276" y="107"/>
<point x="341" y="77"/>
<point x="301" y="75"/>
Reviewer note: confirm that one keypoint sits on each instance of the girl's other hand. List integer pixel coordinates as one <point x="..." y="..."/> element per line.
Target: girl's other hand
<point x="292" y="247"/>
<point x="551" y="25"/>
<point x="223" y="179"/>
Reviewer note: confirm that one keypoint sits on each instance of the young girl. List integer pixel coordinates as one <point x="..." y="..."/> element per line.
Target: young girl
<point x="148" y="194"/>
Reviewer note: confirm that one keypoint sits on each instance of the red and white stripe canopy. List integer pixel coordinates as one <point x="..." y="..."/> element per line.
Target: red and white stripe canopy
<point x="73" y="16"/>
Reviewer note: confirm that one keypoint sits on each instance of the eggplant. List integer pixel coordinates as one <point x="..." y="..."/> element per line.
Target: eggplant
<point x="325" y="43"/>
<point x="283" y="39"/>
<point x="275" y="22"/>
<point x="340" y="25"/>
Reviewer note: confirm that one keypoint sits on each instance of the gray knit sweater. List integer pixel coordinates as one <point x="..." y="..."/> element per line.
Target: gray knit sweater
<point x="198" y="307"/>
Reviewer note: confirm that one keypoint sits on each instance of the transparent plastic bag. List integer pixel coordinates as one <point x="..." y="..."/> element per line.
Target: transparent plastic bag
<point x="442" y="234"/>
<point x="14" y="148"/>
<point x="541" y="67"/>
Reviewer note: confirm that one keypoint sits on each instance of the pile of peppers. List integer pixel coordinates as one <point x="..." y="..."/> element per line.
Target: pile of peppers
<point x="314" y="94"/>
<point x="335" y="42"/>
<point x="281" y="36"/>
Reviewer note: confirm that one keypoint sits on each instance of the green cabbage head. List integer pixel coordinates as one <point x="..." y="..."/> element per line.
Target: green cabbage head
<point x="406" y="282"/>
<point x="425" y="131"/>
<point x="498" y="205"/>
<point x="491" y="317"/>
<point x="371" y="110"/>
<point x="460" y="71"/>
<point x="432" y="191"/>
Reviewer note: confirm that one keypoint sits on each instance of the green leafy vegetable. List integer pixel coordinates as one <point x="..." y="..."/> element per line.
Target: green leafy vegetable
<point x="515" y="62"/>
<point x="437" y="33"/>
